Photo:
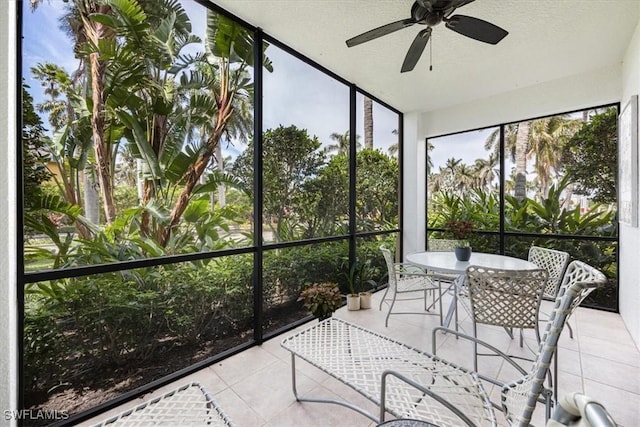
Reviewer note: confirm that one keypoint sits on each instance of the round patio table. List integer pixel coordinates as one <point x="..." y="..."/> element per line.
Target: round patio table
<point x="446" y="262"/>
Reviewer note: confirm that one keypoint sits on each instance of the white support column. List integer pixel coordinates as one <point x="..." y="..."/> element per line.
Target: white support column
<point x="413" y="212"/>
<point x="8" y="275"/>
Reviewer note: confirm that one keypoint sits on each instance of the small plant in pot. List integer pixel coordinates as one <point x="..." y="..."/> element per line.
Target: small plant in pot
<point x="357" y="278"/>
<point x="461" y="231"/>
<point x="321" y="299"/>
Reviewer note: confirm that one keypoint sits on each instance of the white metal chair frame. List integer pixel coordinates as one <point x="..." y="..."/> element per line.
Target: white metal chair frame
<point x="577" y="407"/>
<point x="410" y="383"/>
<point x="188" y="405"/>
<point x="519" y="397"/>
<point x="405" y="279"/>
<point x="555" y="262"/>
<point x="402" y="380"/>
<point x="443" y="245"/>
<point x="507" y="298"/>
<point x="576" y="272"/>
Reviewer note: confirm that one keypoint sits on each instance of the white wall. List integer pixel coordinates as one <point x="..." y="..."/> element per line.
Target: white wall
<point x="414" y="157"/>
<point x="8" y="312"/>
<point x="598" y="87"/>
<point x="630" y="237"/>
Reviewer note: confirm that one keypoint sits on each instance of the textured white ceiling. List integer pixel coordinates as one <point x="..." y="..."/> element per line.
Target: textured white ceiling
<point x="548" y="40"/>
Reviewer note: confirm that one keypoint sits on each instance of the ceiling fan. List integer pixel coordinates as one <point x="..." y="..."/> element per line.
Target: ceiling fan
<point x="431" y="13"/>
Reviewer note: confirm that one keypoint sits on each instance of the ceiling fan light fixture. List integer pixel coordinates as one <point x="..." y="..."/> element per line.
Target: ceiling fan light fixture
<point x="432" y="13"/>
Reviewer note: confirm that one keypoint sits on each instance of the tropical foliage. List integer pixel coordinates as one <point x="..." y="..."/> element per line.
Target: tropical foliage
<point x="134" y="147"/>
<point x="150" y="101"/>
<point x="137" y="170"/>
<point x="321" y="299"/>
<point x="559" y="182"/>
<point x="589" y="163"/>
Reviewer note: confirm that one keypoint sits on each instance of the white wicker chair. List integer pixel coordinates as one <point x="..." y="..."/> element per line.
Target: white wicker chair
<point x="519" y="398"/>
<point x="578" y="409"/>
<point x="412" y="384"/>
<point x="576" y="272"/>
<point x="555" y="262"/>
<point x="188" y="405"/>
<point x="407" y="279"/>
<point x="446" y="280"/>
<point x="507" y="298"/>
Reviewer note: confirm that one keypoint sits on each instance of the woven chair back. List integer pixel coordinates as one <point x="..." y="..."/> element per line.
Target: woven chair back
<point x="555" y="262"/>
<point x="509" y="298"/>
<point x="442" y="245"/>
<point x="519" y="398"/>
<point x="578" y="271"/>
<point x="391" y="270"/>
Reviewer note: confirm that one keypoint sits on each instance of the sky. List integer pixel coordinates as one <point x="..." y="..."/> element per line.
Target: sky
<point x="43" y="41"/>
<point x="295" y="93"/>
<point x="467" y="146"/>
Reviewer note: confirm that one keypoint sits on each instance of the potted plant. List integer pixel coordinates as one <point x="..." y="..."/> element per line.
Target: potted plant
<point x="461" y="230"/>
<point x="321" y="299"/>
<point x="357" y="277"/>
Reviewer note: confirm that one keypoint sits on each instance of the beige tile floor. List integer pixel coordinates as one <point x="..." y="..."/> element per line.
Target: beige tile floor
<point x="254" y="387"/>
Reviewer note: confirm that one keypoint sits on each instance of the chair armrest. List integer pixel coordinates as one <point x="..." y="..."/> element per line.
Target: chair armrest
<point x="412" y="269"/>
<point x="421" y="388"/>
<point x="409" y="269"/>
<point x="480" y="342"/>
<point x="575" y="406"/>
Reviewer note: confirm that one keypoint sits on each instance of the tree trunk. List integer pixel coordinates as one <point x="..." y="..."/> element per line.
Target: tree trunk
<point x="368" y="123"/>
<point x="96" y="32"/>
<point x="91" y="197"/>
<point x="102" y="151"/>
<point x="522" y="139"/>
<point x="191" y="177"/>
<point x="222" y="189"/>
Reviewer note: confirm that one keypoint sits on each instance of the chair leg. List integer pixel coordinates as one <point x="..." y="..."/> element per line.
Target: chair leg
<point x="383" y="297"/>
<point x="555" y="377"/>
<point x="393" y="301"/>
<point x="440" y="301"/>
<point x="570" y="329"/>
<point x="509" y="331"/>
<point x="475" y="348"/>
<point x="455" y="310"/>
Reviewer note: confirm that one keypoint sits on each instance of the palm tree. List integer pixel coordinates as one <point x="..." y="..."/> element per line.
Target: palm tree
<point x="393" y="148"/>
<point x="446" y="178"/>
<point x="516" y="145"/>
<point x="70" y="147"/>
<point x="539" y="140"/>
<point x="521" y="148"/>
<point x="548" y="136"/>
<point x="430" y="148"/>
<point x="343" y="142"/>
<point x="98" y="33"/>
<point x="483" y="172"/>
<point x="368" y="122"/>
<point x="464" y="177"/>
<point x="231" y="47"/>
